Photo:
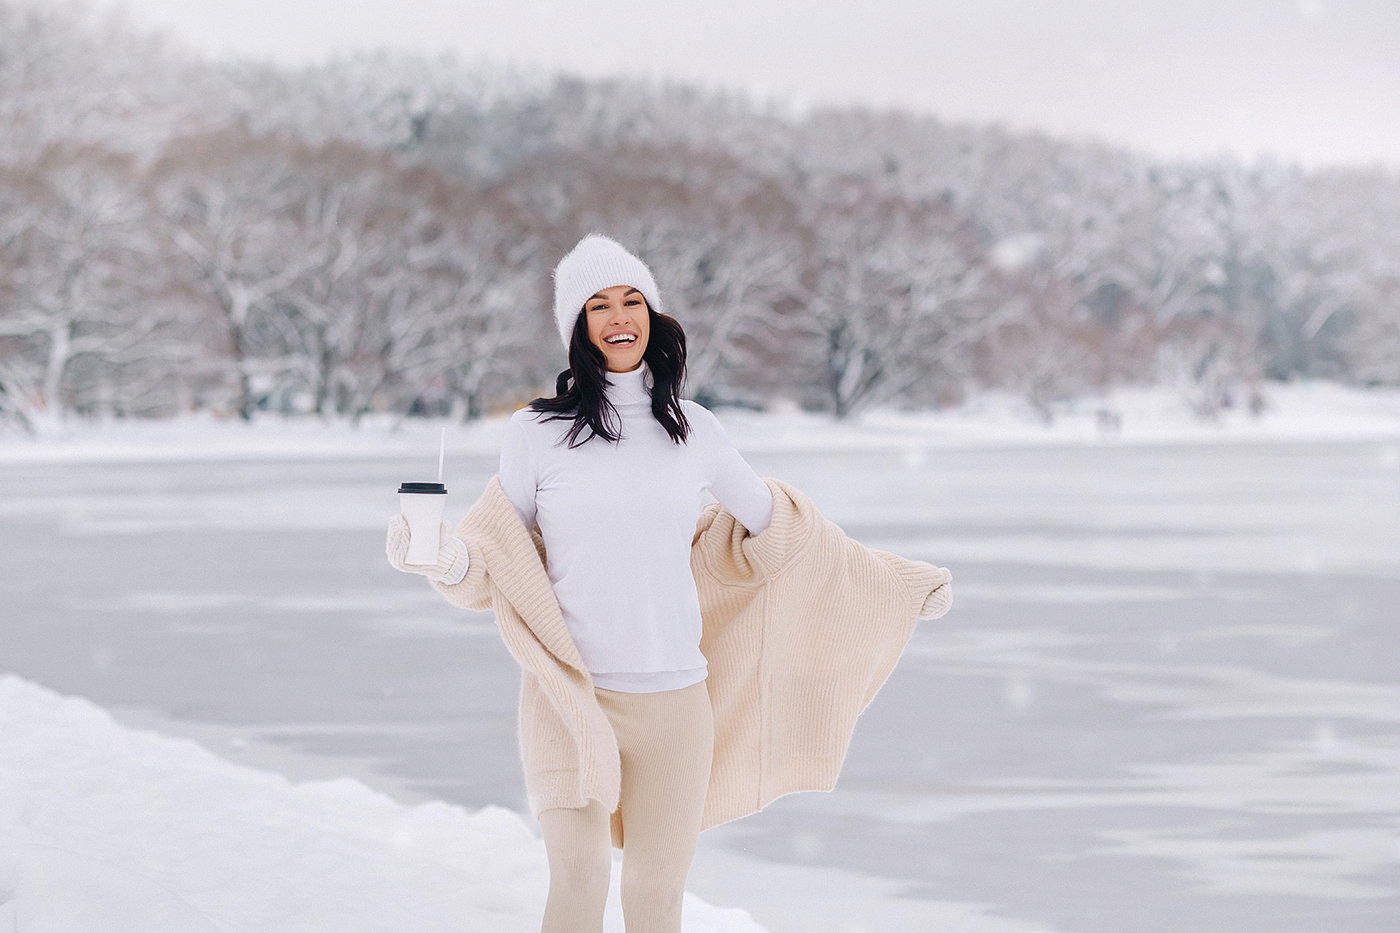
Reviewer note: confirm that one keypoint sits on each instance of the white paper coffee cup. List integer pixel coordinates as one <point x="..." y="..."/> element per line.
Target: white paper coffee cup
<point x="422" y="504"/>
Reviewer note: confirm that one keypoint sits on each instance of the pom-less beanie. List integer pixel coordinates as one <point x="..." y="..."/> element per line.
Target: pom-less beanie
<point x="596" y="263"/>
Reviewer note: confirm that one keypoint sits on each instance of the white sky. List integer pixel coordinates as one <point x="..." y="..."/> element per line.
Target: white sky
<point x="1316" y="80"/>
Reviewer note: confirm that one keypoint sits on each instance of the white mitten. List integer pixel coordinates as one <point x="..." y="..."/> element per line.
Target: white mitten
<point x="940" y="600"/>
<point x="452" y="560"/>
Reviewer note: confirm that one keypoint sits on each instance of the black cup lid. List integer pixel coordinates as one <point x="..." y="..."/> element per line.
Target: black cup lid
<point x="432" y="489"/>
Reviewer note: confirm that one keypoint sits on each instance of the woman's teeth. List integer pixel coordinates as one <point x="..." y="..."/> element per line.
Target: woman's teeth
<point x="620" y="338"/>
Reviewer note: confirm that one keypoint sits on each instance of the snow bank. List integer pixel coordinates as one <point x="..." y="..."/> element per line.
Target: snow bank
<point x="270" y="437"/>
<point x="110" y="830"/>
<point x="1305" y="411"/>
<point x="52" y="891"/>
<point x="1293" y="412"/>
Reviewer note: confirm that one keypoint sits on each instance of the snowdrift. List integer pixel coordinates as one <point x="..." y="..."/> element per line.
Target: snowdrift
<point x="104" y="829"/>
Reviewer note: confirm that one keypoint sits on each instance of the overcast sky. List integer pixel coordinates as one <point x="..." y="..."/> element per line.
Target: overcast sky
<point x="1316" y="80"/>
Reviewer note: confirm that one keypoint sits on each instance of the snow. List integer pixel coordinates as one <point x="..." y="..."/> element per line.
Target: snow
<point x="56" y="891"/>
<point x="1167" y="699"/>
<point x="1294" y="412"/>
<point x="112" y="830"/>
<point x="1297" y="412"/>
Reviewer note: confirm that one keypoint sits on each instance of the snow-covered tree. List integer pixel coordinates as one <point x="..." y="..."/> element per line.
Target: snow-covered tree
<point x="233" y="207"/>
<point x="376" y="232"/>
<point x="81" y="282"/>
<point x="891" y="296"/>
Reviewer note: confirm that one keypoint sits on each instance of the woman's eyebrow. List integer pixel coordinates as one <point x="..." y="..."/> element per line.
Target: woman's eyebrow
<point x="631" y="291"/>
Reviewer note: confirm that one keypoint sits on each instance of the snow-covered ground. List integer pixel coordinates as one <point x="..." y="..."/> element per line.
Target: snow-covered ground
<point x="1168" y="699"/>
<point x="1308" y="411"/>
<point x="92" y="813"/>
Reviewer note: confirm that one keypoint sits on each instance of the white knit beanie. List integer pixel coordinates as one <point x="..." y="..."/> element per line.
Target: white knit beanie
<point x="596" y="263"/>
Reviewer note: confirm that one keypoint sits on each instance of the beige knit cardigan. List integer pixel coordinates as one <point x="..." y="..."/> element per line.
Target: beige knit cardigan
<point x="802" y="626"/>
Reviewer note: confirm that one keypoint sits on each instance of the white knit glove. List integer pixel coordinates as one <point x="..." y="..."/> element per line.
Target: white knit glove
<point x="940" y="600"/>
<point x="452" y="560"/>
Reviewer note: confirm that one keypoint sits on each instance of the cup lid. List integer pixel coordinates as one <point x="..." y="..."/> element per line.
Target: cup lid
<point x="437" y="489"/>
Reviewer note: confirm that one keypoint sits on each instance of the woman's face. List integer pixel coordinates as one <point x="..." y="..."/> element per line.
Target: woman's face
<point x="619" y="325"/>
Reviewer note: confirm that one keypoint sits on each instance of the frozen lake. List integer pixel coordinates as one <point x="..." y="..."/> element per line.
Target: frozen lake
<point x="1167" y="699"/>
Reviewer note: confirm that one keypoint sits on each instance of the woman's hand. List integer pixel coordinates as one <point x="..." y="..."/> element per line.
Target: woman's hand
<point x="452" y="558"/>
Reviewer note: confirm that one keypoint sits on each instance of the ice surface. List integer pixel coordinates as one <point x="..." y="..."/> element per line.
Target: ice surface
<point x="1168" y="697"/>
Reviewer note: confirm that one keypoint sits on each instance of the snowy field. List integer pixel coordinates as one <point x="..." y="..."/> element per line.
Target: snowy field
<point x="1167" y="699"/>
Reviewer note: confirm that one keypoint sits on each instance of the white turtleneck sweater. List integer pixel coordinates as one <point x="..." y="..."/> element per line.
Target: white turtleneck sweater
<point x="618" y="520"/>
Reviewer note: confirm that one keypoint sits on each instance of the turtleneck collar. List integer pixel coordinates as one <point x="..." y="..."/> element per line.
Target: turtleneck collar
<point x="630" y="388"/>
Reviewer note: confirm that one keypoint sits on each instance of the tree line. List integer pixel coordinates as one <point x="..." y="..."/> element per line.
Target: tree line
<point x="376" y="234"/>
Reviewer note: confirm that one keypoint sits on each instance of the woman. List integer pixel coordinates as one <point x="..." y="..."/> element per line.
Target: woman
<point x="618" y="715"/>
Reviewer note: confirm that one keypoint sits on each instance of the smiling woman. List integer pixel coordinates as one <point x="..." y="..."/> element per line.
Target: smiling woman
<point x="613" y="328"/>
<point x="618" y="325"/>
<point x="638" y="708"/>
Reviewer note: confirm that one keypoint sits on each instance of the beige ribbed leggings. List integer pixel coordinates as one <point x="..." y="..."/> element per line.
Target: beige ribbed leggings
<point x="666" y="740"/>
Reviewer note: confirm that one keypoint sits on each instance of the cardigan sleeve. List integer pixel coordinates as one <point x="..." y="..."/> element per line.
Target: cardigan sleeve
<point x="473" y="590"/>
<point x="505" y="562"/>
<point x="940" y="598"/>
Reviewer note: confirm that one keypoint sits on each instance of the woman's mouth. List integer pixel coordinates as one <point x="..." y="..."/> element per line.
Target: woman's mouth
<point x="620" y="340"/>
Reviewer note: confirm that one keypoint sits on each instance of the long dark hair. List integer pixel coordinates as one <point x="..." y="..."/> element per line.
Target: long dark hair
<point x="579" y="390"/>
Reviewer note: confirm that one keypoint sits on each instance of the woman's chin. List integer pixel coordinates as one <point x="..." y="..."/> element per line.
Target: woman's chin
<point x="623" y="365"/>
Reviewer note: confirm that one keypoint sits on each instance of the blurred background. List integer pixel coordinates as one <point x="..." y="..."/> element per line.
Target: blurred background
<point x="334" y="209"/>
<point x="1097" y="304"/>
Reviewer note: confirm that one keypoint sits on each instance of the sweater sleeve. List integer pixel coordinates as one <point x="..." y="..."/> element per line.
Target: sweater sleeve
<point x="733" y="482"/>
<point x="518" y="471"/>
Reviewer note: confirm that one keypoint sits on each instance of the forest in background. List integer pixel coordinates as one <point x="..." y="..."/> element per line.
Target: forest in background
<point x="376" y="234"/>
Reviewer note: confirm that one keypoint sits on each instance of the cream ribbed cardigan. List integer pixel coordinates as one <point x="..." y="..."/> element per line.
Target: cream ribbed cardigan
<point x="802" y="626"/>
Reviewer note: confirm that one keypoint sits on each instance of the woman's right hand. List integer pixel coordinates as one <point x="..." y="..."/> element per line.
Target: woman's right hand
<point x="452" y="558"/>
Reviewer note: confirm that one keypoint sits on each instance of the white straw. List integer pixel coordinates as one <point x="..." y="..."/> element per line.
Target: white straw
<point x="442" y="451"/>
